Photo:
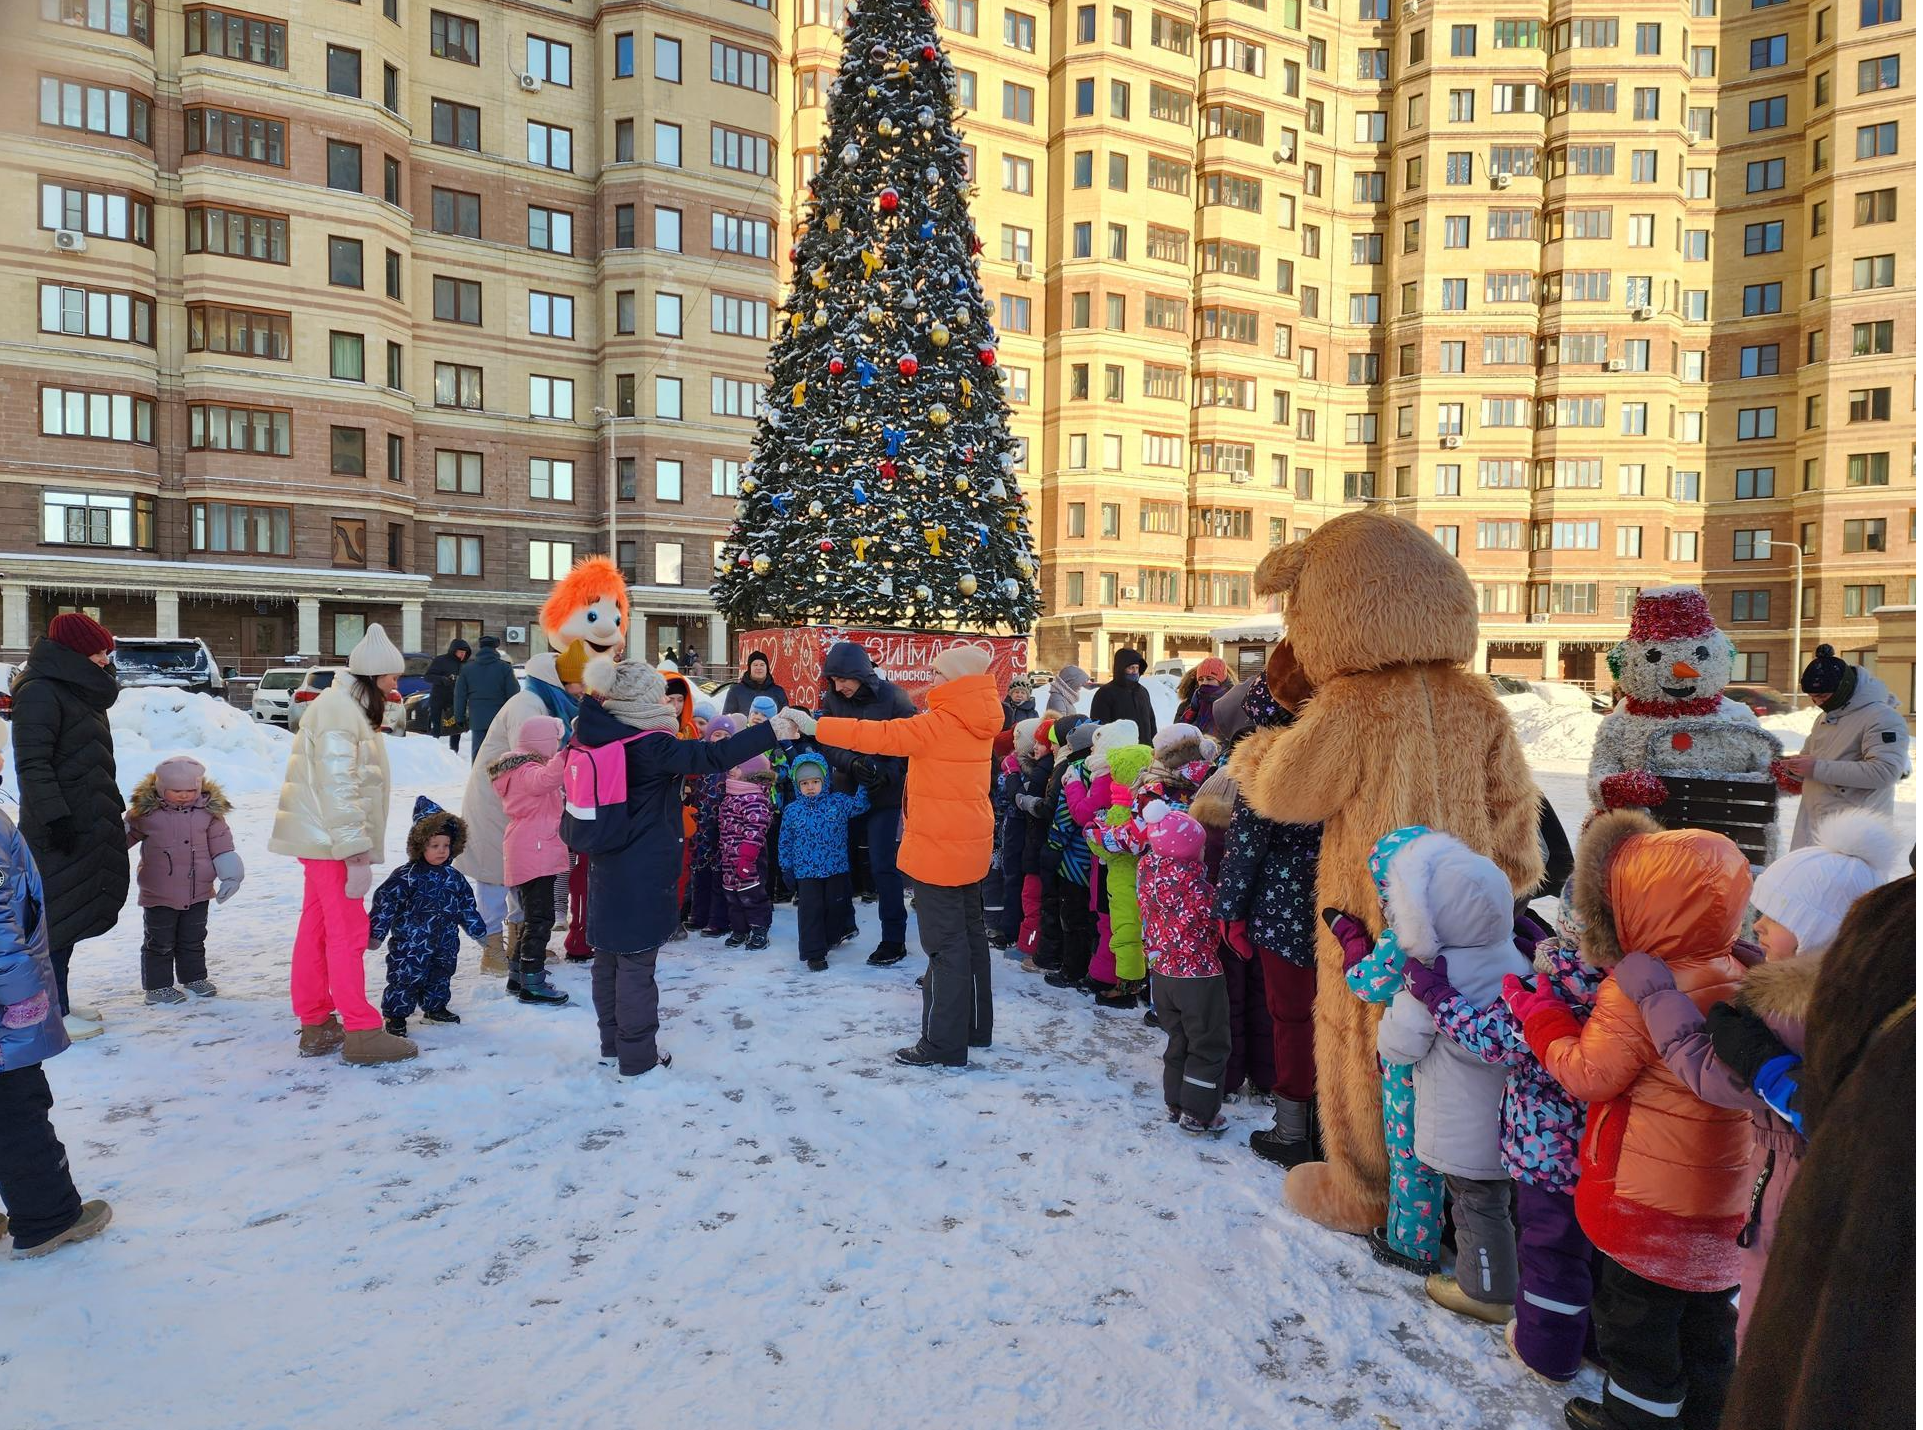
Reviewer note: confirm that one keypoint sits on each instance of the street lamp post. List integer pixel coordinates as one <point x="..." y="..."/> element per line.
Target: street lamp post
<point x="606" y="417"/>
<point x="1796" y="624"/>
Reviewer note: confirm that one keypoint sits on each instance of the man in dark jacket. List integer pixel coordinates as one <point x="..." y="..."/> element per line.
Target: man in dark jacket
<point x="485" y="684"/>
<point x="851" y="688"/>
<point x="1123" y="698"/>
<point x="757" y="679"/>
<point x="70" y="805"/>
<point x="442" y="672"/>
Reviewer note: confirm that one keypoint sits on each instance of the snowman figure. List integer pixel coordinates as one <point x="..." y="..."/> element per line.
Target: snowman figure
<point x="1673" y="719"/>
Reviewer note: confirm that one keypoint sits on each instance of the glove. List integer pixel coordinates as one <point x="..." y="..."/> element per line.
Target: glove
<point x="1639" y="975"/>
<point x="866" y="772"/>
<point x="1029" y="804"/>
<point x="1524" y="1001"/>
<point x="1633" y="789"/>
<point x="360" y="875"/>
<point x="27" y="1014"/>
<point x="1235" y="933"/>
<point x="1351" y="933"/>
<point x="64" y="833"/>
<point x="800" y="719"/>
<point x="1742" y="1040"/>
<point x="1429" y="981"/>
<point x="229" y="870"/>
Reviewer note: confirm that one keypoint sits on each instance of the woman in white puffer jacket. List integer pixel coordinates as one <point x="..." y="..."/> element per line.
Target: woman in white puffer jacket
<point x="333" y="818"/>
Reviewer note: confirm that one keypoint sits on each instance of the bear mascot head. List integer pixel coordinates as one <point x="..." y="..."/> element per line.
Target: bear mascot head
<point x="1394" y="731"/>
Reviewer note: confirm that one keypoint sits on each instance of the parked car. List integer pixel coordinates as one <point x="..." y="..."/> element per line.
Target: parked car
<point x="1760" y="701"/>
<point x="182" y="663"/>
<point x="7" y="673"/>
<point x="317" y="678"/>
<point x="274" y="695"/>
<point x="1508" y="684"/>
<point x="1570" y="693"/>
<point x="1176" y="668"/>
<point x="414" y="677"/>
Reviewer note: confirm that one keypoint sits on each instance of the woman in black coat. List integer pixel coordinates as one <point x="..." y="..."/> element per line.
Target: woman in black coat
<point x="70" y="804"/>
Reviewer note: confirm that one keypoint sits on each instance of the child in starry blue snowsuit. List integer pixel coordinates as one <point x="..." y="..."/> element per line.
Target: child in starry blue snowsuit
<point x="423" y="906"/>
<point x="813" y="853"/>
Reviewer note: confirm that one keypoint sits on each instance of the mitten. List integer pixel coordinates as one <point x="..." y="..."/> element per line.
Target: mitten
<point x="747" y="860"/>
<point x="229" y="870"/>
<point x="1524" y="1000"/>
<point x="1235" y="933"/>
<point x="1633" y="789"/>
<point x="800" y="719"/>
<point x="1743" y="1041"/>
<point x="1429" y="981"/>
<point x="1639" y="975"/>
<point x="1028" y="804"/>
<point x="26" y="1014"/>
<point x="1351" y="933"/>
<point x="360" y="876"/>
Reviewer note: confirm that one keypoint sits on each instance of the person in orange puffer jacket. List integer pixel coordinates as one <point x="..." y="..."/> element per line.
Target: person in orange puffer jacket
<point x="947" y="844"/>
<point x="1663" y="1183"/>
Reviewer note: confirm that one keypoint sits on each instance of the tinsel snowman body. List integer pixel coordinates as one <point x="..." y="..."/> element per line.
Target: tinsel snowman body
<point x="1673" y="718"/>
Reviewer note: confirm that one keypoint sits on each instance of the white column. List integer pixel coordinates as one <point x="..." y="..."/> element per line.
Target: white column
<point x="13" y="616"/>
<point x="1482" y="656"/>
<point x="167" y="614"/>
<point x="308" y="620"/>
<point x="1098" y="654"/>
<point x="1552" y="660"/>
<point x="411" y="625"/>
<point x="717" y="642"/>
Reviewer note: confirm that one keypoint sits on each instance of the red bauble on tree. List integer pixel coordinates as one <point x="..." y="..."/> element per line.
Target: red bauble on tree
<point x="908" y="367"/>
<point x="837" y="366"/>
<point x="825" y="544"/>
<point x="890" y="201"/>
<point x="985" y="355"/>
<point x="928" y="54"/>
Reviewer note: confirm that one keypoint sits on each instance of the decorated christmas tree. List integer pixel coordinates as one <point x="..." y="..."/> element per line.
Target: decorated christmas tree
<point x="883" y="489"/>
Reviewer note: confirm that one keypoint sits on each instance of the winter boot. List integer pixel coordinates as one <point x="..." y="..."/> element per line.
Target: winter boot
<point x="1196" y="1127"/>
<point x="319" y="1039"/>
<point x="493" y="955"/>
<point x="887" y="954"/>
<point x="817" y="965"/>
<point x="535" y="988"/>
<point x="376" y="1045"/>
<point x="169" y="994"/>
<point x="396" y="1026"/>
<point x="758" y="938"/>
<point x="94" y="1217"/>
<point x="1119" y="997"/>
<point x="1444" y="1290"/>
<point x="1383" y="1251"/>
<point x="201" y="988"/>
<point x="1275" y="1144"/>
<point x="79" y="1029"/>
<point x="1060" y="978"/>
<point x="440" y="1015"/>
<point x="734" y="940"/>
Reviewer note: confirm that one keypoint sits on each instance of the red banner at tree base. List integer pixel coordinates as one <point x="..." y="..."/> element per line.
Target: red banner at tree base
<point x="904" y="657"/>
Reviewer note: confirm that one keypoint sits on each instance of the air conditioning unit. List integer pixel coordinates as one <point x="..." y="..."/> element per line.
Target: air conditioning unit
<point x="1024" y="271"/>
<point x="1240" y="479"/>
<point x="530" y="83"/>
<point x="1128" y="593"/>
<point x="1412" y="8"/>
<point x="1615" y="365"/>
<point x="1692" y="140"/>
<point x="70" y="240"/>
<point x="1541" y="618"/>
<point x="515" y="635"/>
<point x="1646" y="312"/>
<point x="1452" y="441"/>
<point x="1504" y="180"/>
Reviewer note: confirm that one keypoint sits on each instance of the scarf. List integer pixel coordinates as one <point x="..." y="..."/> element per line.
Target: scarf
<point x="561" y="705"/>
<point x="642" y="715"/>
<point x="1672" y="709"/>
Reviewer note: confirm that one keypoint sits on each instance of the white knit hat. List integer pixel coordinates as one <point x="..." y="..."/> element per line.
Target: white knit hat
<point x="374" y="655"/>
<point x="1809" y="890"/>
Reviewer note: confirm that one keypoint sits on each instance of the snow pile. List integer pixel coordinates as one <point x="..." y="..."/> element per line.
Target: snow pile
<point x="415" y="761"/>
<point x="152" y="722"/>
<point x="1793" y="728"/>
<point x="1554" y="723"/>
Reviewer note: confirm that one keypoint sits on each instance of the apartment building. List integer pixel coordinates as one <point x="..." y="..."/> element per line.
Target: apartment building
<point x="1603" y="301"/>
<point x="323" y="313"/>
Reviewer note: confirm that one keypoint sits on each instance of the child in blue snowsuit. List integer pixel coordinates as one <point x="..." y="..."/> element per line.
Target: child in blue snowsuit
<point x="814" y="856"/>
<point x="424" y="905"/>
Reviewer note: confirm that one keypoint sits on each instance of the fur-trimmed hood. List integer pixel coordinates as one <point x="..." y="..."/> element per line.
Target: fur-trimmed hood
<point x="1669" y="893"/>
<point x="1441" y="897"/>
<point x="429" y="820"/>
<point x="512" y="760"/>
<point x="146" y="798"/>
<point x="1781" y="990"/>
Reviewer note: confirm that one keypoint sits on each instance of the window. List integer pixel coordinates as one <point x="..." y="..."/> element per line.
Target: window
<point x="1231" y="121"/>
<point x="742" y="68"/>
<point x="209" y="31"/>
<point x="1875" y="272"/>
<point x="624" y="56"/>
<point x="1018" y="31"/>
<point x="239" y="332"/>
<point x="453" y="37"/>
<point x="549" y="560"/>
<point x="238" y="136"/>
<point x="667" y="144"/>
<point x="1771" y="113"/>
<point x="97" y="519"/>
<point x="1761" y="360"/>
<point x="550" y="230"/>
<point x="1876" y="206"/>
<point x="550" y="315"/>
<point x="1755" y="483"/>
<point x="1879" y="12"/>
<point x="134" y="20"/>
<point x="237" y="233"/>
<point x="1870" y="404"/>
<point x="959" y="15"/>
<point x="550" y="61"/>
<point x="346" y="357"/>
<point x="457" y="126"/>
<point x="1868" y="469"/>
<point x="1861" y="600"/>
<point x="1018" y="175"/>
<point x="250" y="530"/>
<point x="216" y="428"/>
<point x="667" y="315"/>
<point x="550" y="396"/>
<point x="738" y="317"/>
<point x="734" y="233"/>
<point x="98" y="313"/>
<point x="731" y="397"/>
<point x="113" y="417"/>
<point x="70" y="104"/>
<point x="1228" y="52"/>
<point x="1015" y="314"/>
<point x="667" y="479"/>
<point x="550" y="146"/>
<point x="457" y="386"/>
<point x="1883" y="72"/>
<point x="1750" y="545"/>
<point x="1769" y="52"/>
<point x="1869" y="534"/>
<point x="457" y="555"/>
<point x="343" y="71"/>
<point x="1018" y="103"/>
<point x="457" y="472"/>
<point x="1876" y="140"/>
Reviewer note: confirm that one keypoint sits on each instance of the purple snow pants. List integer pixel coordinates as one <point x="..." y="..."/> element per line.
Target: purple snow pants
<point x="1555" y="1284"/>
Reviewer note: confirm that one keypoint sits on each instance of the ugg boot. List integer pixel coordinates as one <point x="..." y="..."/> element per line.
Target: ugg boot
<point x="376" y="1045"/>
<point x="94" y="1216"/>
<point x="493" y="955"/>
<point x="319" y="1039"/>
<point x="1444" y="1290"/>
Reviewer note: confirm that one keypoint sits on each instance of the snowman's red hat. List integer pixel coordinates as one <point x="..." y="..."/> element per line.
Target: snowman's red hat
<point x="1669" y="613"/>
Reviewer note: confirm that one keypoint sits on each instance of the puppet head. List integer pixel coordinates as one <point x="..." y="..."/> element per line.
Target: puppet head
<point x="590" y="605"/>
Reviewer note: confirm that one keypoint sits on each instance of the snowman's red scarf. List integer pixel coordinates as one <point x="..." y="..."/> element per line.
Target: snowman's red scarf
<point x="1672" y="709"/>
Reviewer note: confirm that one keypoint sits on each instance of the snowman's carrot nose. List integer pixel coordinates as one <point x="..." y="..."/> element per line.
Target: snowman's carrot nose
<point x="1684" y="672"/>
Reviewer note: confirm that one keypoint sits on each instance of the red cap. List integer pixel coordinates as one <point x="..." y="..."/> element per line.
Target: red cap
<point x="1672" y="613"/>
<point x="80" y="633"/>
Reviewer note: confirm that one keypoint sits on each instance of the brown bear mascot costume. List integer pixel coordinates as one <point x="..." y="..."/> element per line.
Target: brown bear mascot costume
<point x="1382" y="622"/>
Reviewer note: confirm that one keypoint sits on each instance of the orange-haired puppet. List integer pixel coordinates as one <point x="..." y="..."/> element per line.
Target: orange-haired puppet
<point x="589" y="604"/>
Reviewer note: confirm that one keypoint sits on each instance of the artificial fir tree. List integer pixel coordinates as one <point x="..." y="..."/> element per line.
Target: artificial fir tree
<point x="883" y="489"/>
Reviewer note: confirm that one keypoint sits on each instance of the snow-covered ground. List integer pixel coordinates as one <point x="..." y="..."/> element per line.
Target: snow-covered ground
<point x="784" y="1228"/>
